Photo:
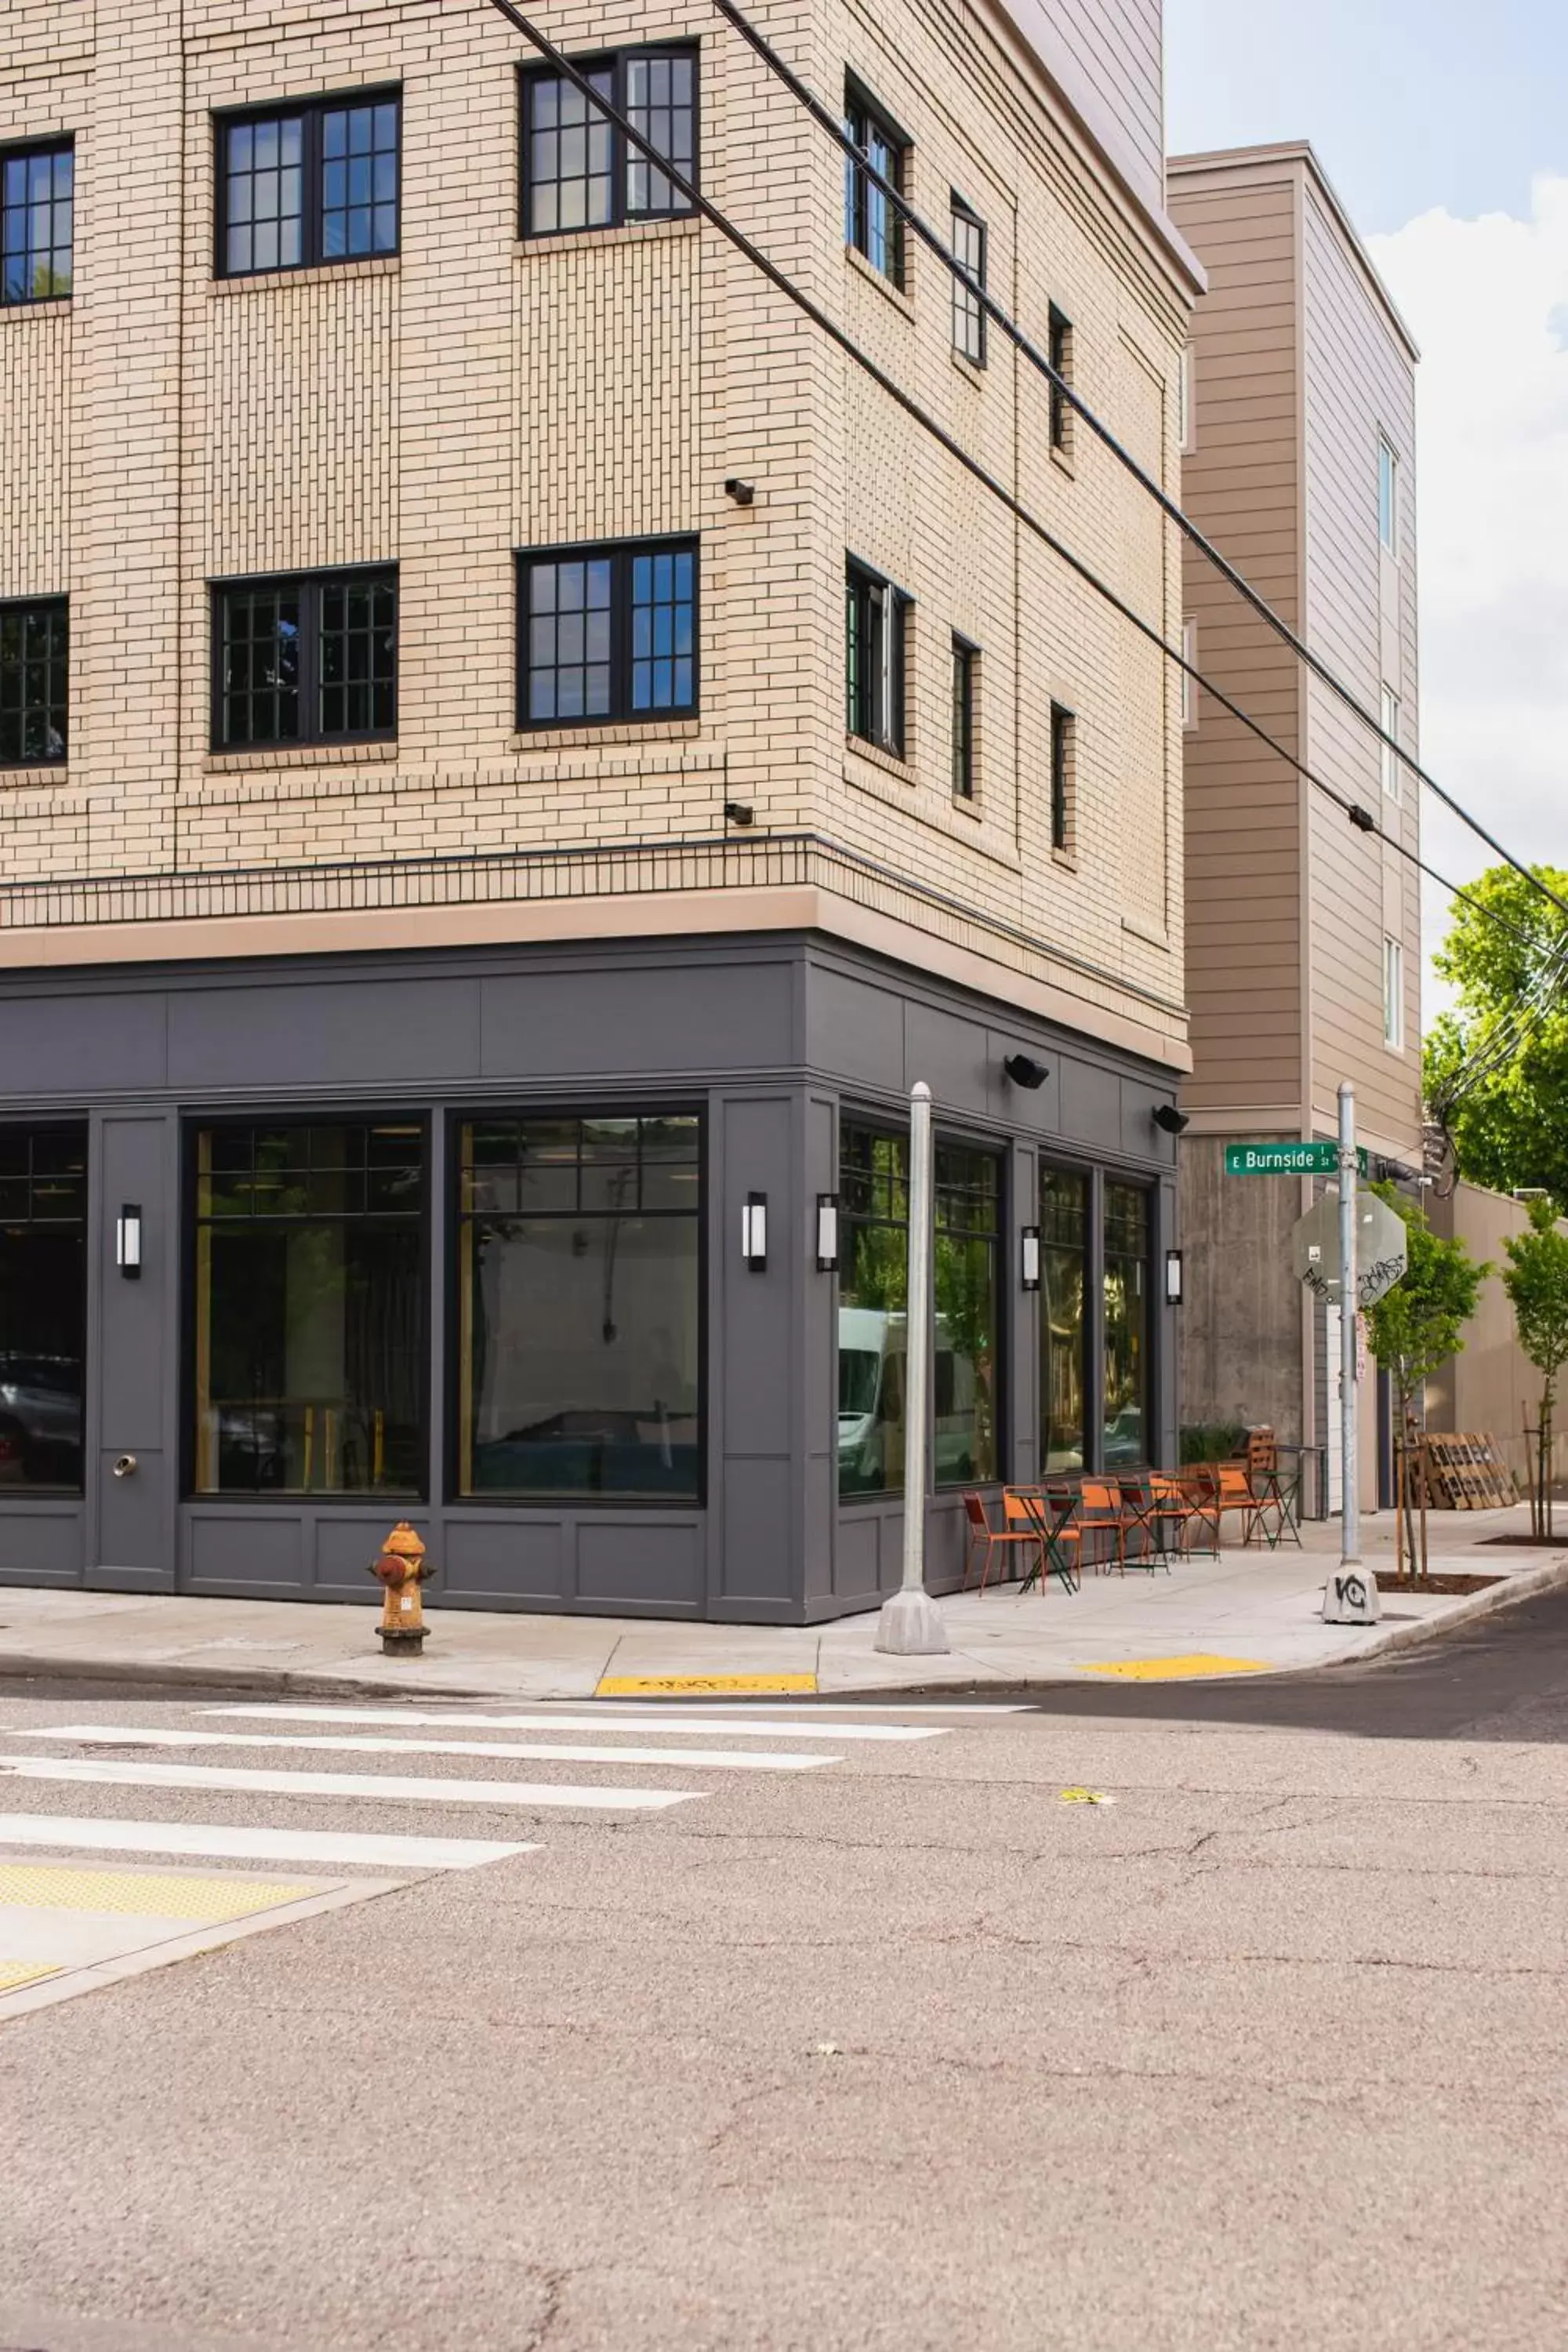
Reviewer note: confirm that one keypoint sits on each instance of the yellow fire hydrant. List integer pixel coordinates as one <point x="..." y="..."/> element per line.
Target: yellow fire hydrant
<point x="402" y="1570"/>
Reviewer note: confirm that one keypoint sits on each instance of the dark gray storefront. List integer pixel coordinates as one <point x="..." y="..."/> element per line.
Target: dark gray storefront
<point x="458" y="1237"/>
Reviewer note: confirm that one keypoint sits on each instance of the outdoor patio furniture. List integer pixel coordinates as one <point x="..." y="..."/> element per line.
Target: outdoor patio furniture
<point x="1272" y="1490"/>
<point x="1225" y="1490"/>
<point x="1052" y="1513"/>
<point x="1152" y="1506"/>
<point x="1101" y="1525"/>
<point x="984" y="1538"/>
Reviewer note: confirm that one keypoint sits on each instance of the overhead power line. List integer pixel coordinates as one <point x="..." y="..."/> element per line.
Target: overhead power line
<point x="1169" y="506"/>
<point x="1361" y="818"/>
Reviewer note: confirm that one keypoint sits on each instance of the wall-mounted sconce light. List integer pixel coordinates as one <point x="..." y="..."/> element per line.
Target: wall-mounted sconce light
<point x="1029" y="1258"/>
<point x="127" y="1241"/>
<point x="827" y="1233"/>
<point x="740" y="811"/>
<point x="1170" y="1121"/>
<point x="755" y="1233"/>
<point x="1172" y="1278"/>
<point x="742" y="493"/>
<point x="1025" y="1071"/>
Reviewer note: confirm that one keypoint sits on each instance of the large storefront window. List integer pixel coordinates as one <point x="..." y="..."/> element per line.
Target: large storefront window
<point x="1126" y="1325"/>
<point x="580" y="1307"/>
<point x="1064" y="1290"/>
<point x="968" y="1229"/>
<point x="43" y="1305"/>
<point x="309" y="1310"/>
<point x="873" y="1280"/>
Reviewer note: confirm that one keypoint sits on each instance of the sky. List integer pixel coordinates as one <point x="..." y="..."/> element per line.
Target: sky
<point x="1444" y="127"/>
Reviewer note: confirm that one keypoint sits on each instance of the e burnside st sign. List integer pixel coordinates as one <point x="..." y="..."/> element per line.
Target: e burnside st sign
<point x="1286" y="1159"/>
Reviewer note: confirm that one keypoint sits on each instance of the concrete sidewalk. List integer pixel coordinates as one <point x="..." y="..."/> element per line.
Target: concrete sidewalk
<point x="1251" y="1610"/>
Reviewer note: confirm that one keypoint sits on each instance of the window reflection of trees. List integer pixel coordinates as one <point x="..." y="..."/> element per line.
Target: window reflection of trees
<point x="1064" y="1282"/>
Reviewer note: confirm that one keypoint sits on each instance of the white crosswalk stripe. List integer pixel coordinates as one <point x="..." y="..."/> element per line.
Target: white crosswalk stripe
<point x="214" y="1840"/>
<point x="117" y="1734"/>
<point x="390" y="1788"/>
<point x="605" y="1720"/>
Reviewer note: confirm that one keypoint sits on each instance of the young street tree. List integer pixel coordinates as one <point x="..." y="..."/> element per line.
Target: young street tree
<point x="1536" y="1280"/>
<point x="1416" y="1327"/>
<point x="1496" y="1068"/>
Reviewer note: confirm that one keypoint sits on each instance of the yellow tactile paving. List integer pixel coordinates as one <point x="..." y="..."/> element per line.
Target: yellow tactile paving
<point x="686" y="1686"/>
<point x="14" y="1974"/>
<point x="1175" y="1670"/>
<point x="151" y="1894"/>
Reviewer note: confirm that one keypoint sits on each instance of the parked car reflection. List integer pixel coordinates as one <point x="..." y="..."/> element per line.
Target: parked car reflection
<point x="40" y="1421"/>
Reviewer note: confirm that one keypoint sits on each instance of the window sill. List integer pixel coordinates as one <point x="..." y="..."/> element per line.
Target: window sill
<point x="885" y="762"/>
<point x="1066" y="859"/>
<point x="970" y="370"/>
<point x="1148" y="932"/>
<point x="589" y="240"/>
<point x="559" y="739"/>
<point x="48" y="302"/>
<point x="1062" y="459"/>
<point x="32" y="775"/>
<point x="369" y="265"/>
<point x="967" y="804"/>
<point x="873" y="277"/>
<point x="299" y="755"/>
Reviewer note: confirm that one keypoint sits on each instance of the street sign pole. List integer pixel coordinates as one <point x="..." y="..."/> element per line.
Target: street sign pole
<point x="1349" y="1494"/>
<point x="911" y="1623"/>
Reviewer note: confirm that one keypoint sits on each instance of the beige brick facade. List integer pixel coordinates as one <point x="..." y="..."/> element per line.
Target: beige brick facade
<point x="476" y="393"/>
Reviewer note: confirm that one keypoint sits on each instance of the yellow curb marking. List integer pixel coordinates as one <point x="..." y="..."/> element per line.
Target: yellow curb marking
<point x="151" y="1894"/>
<point x="1174" y="1670"/>
<point x="672" y="1685"/>
<point x="14" y="1974"/>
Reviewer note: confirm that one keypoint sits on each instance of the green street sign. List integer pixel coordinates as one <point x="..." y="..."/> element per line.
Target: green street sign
<point x="1286" y="1159"/>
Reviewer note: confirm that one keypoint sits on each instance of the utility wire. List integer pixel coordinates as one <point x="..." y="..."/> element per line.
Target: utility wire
<point x="1361" y="818"/>
<point x="1169" y="506"/>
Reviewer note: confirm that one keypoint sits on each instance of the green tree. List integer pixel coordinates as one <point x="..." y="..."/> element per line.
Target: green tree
<point x="1511" y="1128"/>
<point x="1416" y="1327"/>
<point x="1536" y="1280"/>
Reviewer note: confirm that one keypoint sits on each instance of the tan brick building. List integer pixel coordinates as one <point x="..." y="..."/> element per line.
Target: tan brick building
<point x="1303" y="933"/>
<point x="516" y="749"/>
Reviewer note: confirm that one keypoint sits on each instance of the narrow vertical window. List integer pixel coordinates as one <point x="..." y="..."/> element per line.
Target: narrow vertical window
<point x="1126" y="1438"/>
<point x="874" y="660"/>
<point x="359" y="180"/>
<point x="873" y="1291"/>
<point x="1062" y="748"/>
<point x="1189" y="683"/>
<point x="1391" y="778"/>
<point x="965" y="663"/>
<point x="1185" y="417"/>
<point x="43" y="1306"/>
<point x="34" y="648"/>
<point x="1387" y="497"/>
<point x="1060" y="356"/>
<point x="661" y="103"/>
<point x="37" y="187"/>
<point x="873" y="223"/>
<point x="1064" y="1321"/>
<point x="1393" y="995"/>
<point x="968" y="314"/>
<point x="664" y="606"/>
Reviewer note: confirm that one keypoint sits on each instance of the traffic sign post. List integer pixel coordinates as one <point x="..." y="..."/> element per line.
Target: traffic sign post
<point x="1383" y="1249"/>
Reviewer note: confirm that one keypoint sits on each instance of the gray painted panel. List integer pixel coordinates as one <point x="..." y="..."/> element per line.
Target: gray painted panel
<point x="1091" y="1107"/>
<point x="324" y="1033"/>
<point x="950" y="1055"/>
<point x="653" y="1022"/>
<point x="855" y="1557"/>
<point x="41" y="1547"/>
<point x="1033" y="1110"/>
<point x="262" y="1554"/>
<point x="134" y="1514"/>
<point x="493" y="1561"/>
<point x="854" y="1029"/>
<point x="1140" y="1139"/>
<point x="647" y="1563"/>
<point x="132" y="1330"/>
<point x="345" y="1544"/>
<point x="757" y="1562"/>
<point x="755" y="1157"/>
<point x="85" y="1043"/>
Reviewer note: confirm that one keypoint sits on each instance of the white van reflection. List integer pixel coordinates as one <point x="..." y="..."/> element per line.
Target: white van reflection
<point x="873" y="1348"/>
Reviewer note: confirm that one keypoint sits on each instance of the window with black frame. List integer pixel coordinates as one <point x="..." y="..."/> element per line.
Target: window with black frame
<point x="309" y="1304"/>
<point x="43" y="1306"/>
<point x="607" y="633"/>
<point x="579" y="1287"/>
<point x="965" y="1271"/>
<point x="311" y="657"/>
<point x="579" y="170"/>
<point x="1064" y="1295"/>
<point x="968" y="312"/>
<point x="307" y="184"/>
<point x="873" y="1295"/>
<point x="873" y="224"/>
<point x="1126" y="1326"/>
<point x="34" y="645"/>
<point x="875" y="629"/>
<point x="37" y="208"/>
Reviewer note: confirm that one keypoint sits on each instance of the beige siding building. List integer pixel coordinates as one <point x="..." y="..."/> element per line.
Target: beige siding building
<point x="1303" y="933"/>
<point x="485" y="684"/>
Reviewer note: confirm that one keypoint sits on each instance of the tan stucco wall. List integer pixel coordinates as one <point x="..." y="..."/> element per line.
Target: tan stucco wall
<point x="1490" y="1388"/>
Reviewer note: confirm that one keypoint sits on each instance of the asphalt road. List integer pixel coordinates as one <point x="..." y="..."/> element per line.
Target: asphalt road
<point x="900" y="2051"/>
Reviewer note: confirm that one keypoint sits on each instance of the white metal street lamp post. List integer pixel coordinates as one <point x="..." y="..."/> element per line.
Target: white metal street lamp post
<point x="911" y="1623"/>
<point x="1350" y="1300"/>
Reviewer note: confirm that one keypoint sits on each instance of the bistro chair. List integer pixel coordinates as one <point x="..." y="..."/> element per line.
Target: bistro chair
<point x="1229" y="1491"/>
<point x="987" y="1541"/>
<point x="1102" y="1524"/>
<point x="1272" y="1491"/>
<point x="1052" y="1512"/>
<point x="1144" y="1542"/>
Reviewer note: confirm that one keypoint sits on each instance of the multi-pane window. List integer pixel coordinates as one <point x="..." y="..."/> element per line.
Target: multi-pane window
<point x="1064" y="1321"/>
<point x="307" y="184"/>
<point x="873" y="223"/>
<point x="1126" y="1283"/>
<point x="1387" y="496"/>
<point x="1059" y="352"/>
<point x="607" y="633"/>
<point x="35" y="205"/>
<point x="33" y="645"/>
<point x="309" y="1302"/>
<point x="966" y="667"/>
<point x="1393" y="995"/>
<point x="1390" y="755"/>
<point x="308" y="658"/>
<point x="43" y="1305"/>
<point x="965" y="1268"/>
<point x="579" y="171"/>
<point x="1062" y="756"/>
<point x="968" y="312"/>
<point x="580" y="1307"/>
<point x="874" y="659"/>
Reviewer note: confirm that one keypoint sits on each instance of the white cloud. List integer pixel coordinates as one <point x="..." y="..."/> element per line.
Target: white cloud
<point x="1487" y="300"/>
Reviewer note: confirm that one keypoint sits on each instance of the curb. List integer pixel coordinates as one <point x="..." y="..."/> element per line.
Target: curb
<point x="288" y="1683"/>
<point x="1528" y="1585"/>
